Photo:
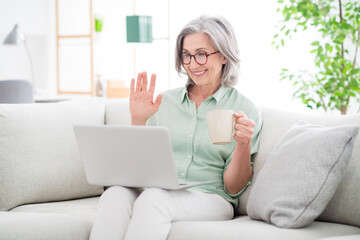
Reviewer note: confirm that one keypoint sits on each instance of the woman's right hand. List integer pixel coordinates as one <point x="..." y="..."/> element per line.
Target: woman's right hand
<point x="142" y="106"/>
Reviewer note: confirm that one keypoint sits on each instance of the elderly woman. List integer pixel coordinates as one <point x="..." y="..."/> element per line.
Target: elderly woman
<point x="207" y="51"/>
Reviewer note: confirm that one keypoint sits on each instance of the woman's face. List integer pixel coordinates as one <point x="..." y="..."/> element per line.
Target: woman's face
<point x="208" y="75"/>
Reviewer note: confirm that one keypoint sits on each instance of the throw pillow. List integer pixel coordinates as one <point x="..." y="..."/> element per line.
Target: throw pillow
<point x="39" y="158"/>
<point x="301" y="174"/>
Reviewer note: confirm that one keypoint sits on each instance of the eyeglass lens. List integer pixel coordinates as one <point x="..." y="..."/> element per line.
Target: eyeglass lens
<point x="200" y="58"/>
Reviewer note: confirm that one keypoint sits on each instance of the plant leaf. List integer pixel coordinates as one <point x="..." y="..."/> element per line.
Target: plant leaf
<point x="315" y="43"/>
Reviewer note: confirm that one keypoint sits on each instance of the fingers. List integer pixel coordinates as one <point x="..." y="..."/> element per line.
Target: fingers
<point x="242" y="119"/>
<point x="239" y="114"/>
<point x="245" y="122"/>
<point x="144" y="81"/>
<point x="245" y="130"/>
<point x="243" y="134"/>
<point x="152" y="83"/>
<point x="132" y="86"/>
<point x="158" y="100"/>
<point x="244" y="127"/>
<point x="141" y="83"/>
<point x="138" y="82"/>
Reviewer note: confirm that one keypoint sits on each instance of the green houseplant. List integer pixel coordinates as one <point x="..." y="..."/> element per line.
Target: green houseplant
<point x="337" y="77"/>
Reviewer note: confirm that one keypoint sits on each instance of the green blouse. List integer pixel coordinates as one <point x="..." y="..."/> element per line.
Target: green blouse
<point x="196" y="158"/>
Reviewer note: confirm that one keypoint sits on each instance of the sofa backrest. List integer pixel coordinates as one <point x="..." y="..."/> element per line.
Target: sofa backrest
<point x="344" y="207"/>
<point x="117" y="112"/>
<point x="39" y="159"/>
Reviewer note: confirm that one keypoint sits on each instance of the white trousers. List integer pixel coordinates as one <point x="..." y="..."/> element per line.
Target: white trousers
<point x="128" y="213"/>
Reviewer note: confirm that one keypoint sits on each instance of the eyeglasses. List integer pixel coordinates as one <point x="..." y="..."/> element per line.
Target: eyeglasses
<point x="200" y="57"/>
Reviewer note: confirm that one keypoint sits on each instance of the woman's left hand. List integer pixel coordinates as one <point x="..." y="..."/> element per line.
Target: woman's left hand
<point x="244" y="128"/>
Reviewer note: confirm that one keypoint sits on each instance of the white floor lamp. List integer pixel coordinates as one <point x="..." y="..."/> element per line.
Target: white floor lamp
<point x="15" y="37"/>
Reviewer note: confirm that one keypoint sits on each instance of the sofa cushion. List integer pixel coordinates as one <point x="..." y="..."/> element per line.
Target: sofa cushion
<point x="301" y="174"/>
<point x="349" y="237"/>
<point x="83" y="208"/>
<point x="246" y="229"/>
<point x="43" y="226"/>
<point x="343" y="207"/>
<point x="39" y="159"/>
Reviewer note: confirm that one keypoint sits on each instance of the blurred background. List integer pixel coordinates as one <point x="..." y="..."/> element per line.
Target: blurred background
<point x="75" y="45"/>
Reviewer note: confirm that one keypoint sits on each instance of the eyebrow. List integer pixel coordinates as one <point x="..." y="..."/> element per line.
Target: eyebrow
<point x="198" y="49"/>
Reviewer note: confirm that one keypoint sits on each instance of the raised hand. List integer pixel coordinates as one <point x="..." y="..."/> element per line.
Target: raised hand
<point x="142" y="106"/>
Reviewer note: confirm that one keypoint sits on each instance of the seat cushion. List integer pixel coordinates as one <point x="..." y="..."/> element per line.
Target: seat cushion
<point x="43" y="226"/>
<point x="246" y="229"/>
<point x="349" y="237"/>
<point x="85" y="208"/>
<point x="39" y="158"/>
<point x="71" y="219"/>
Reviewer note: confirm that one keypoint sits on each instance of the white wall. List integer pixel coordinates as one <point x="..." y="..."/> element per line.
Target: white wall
<point x="36" y="21"/>
<point x="253" y="21"/>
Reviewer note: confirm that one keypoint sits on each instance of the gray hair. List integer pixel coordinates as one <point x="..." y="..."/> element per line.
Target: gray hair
<point x="222" y="37"/>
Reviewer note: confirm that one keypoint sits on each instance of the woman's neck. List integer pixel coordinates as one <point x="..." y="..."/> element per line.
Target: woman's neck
<point x="200" y="93"/>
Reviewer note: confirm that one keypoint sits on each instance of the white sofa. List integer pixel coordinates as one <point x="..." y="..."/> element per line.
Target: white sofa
<point x="44" y="193"/>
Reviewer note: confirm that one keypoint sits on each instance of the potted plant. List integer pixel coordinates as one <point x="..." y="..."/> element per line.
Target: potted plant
<point x="337" y="77"/>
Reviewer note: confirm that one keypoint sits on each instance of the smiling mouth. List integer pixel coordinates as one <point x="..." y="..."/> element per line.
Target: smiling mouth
<point x="199" y="73"/>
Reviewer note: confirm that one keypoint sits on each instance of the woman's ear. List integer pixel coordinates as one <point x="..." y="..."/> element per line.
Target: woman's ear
<point x="224" y="60"/>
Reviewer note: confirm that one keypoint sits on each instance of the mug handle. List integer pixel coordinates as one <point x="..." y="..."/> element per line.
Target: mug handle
<point x="233" y="119"/>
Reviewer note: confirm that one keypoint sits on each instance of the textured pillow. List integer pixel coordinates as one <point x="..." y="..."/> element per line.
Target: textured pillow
<point x="344" y="206"/>
<point x="301" y="175"/>
<point x="39" y="159"/>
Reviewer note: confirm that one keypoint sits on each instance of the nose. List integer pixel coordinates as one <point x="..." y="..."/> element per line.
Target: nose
<point x="193" y="64"/>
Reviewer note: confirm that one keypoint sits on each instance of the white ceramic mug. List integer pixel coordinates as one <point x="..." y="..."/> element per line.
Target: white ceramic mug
<point x="220" y="125"/>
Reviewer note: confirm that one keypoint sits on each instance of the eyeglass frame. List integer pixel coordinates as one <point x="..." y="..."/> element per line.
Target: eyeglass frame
<point x="193" y="56"/>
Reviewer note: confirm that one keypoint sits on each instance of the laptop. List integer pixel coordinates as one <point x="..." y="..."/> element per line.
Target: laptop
<point x="130" y="156"/>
